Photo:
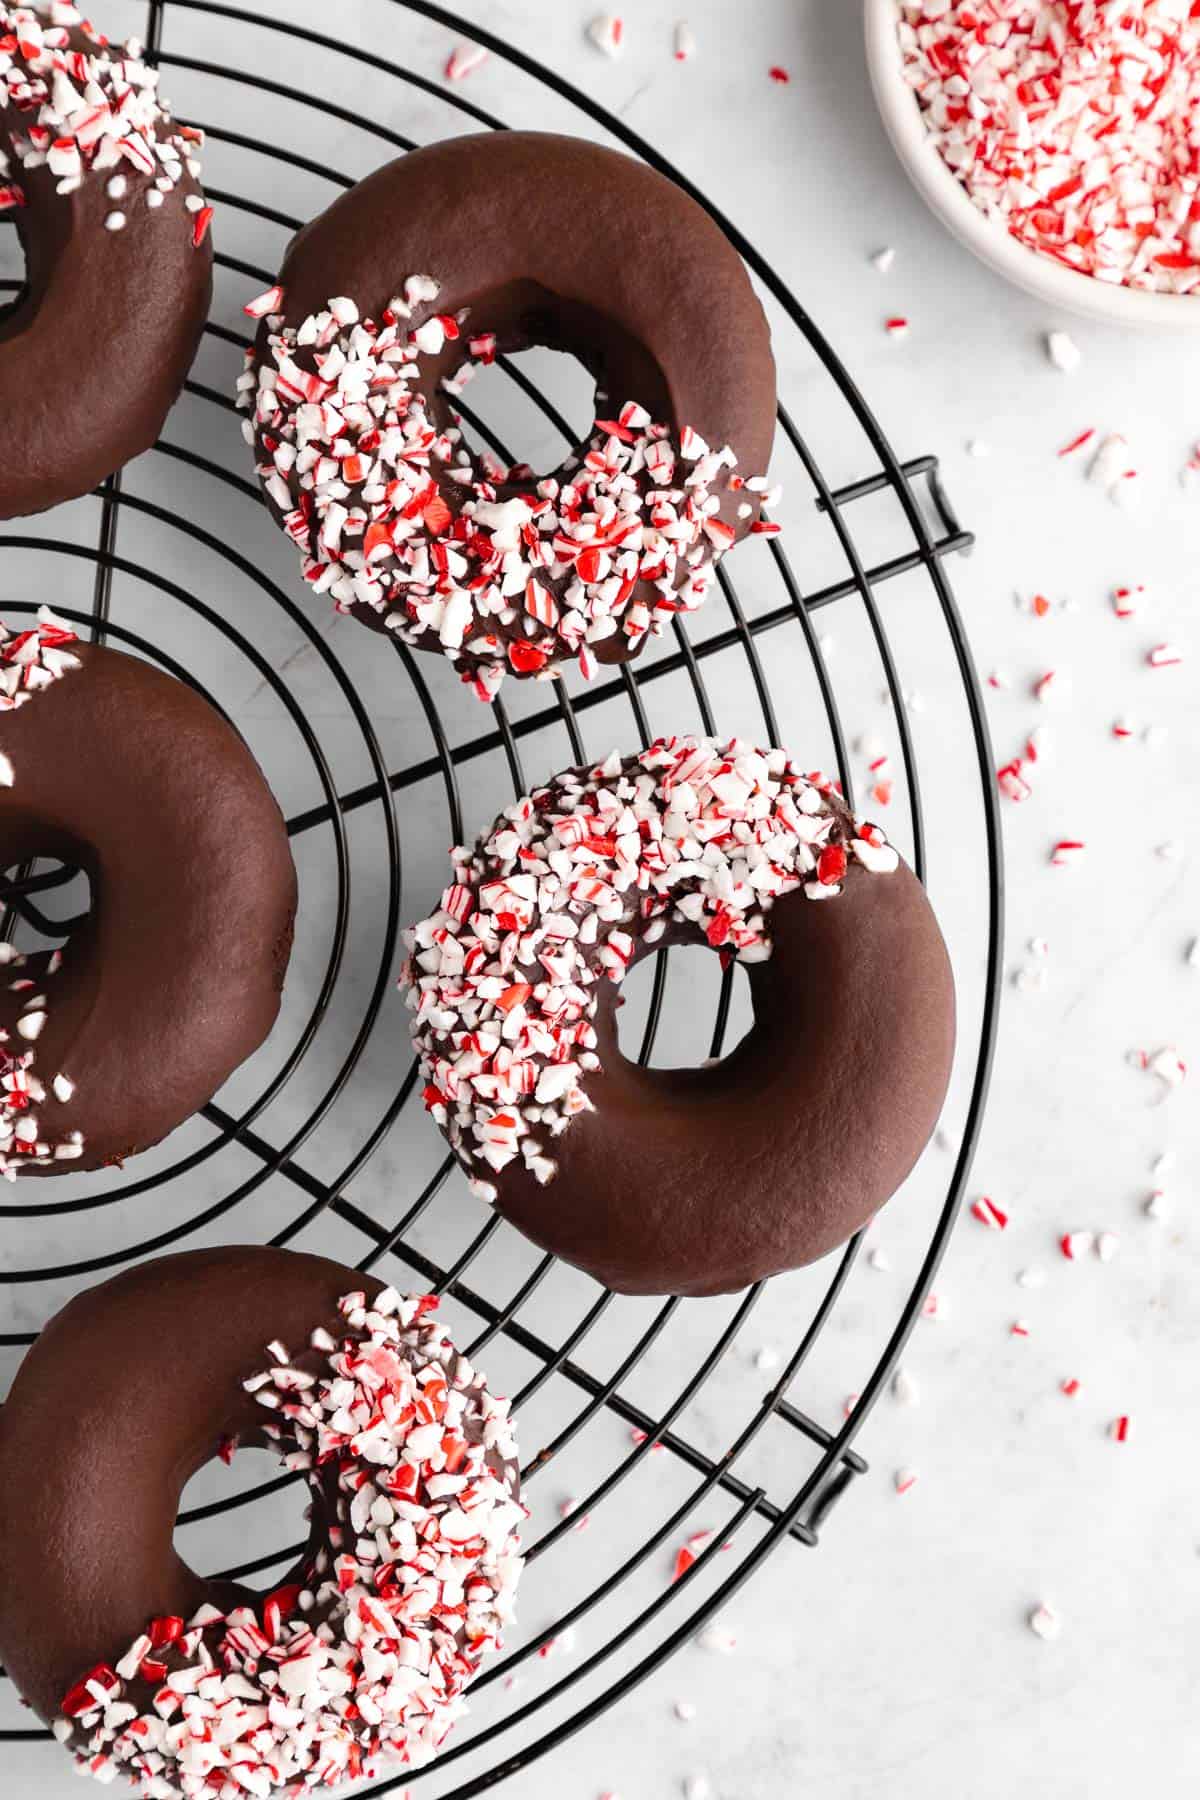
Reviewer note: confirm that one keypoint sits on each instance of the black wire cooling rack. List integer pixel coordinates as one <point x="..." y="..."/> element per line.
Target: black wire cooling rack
<point x="173" y="560"/>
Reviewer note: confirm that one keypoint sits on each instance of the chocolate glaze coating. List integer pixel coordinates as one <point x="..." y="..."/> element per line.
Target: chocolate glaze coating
<point x="175" y="977"/>
<point x="701" y="1181"/>
<point x="94" y="353"/>
<point x="549" y="240"/>
<point x="123" y="1397"/>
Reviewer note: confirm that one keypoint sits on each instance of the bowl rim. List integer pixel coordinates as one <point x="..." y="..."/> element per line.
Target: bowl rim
<point x="945" y="195"/>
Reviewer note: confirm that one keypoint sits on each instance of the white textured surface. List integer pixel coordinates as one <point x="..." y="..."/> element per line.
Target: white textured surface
<point x="896" y="1659"/>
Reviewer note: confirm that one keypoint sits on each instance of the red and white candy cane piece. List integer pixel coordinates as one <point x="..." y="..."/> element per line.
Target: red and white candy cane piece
<point x="904" y="1480"/>
<point x="988" y="1213"/>
<point x="463" y="60"/>
<point x="685" y="42"/>
<point x="1128" y="602"/>
<point x="607" y="32"/>
<point x="1069" y="1386"/>
<point x="1076" y="1244"/>
<point x="1012" y="781"/>
<point x="1120" y="1429"/>
<point x="1164" y="656"/>
<point x="263" y="304"/>
<point x="1067" y="852"/>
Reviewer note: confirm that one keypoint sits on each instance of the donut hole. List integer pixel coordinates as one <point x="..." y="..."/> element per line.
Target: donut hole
<point x="510" y="417"/>
<point x="253" y="1532"/>
<point x="14" y="282"/>
<point x="688" y="1010"/>
<point x="48" y="898"/>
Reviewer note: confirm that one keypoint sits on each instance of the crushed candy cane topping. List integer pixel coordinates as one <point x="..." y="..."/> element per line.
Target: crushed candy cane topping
<point x="1070" y="124"/>
<point x="72" y="103"/>
<point x="363" y="1658"/>
<point x="29" y="661"/>
<point x="371" y="479"/>
<point x="695" y="834"/>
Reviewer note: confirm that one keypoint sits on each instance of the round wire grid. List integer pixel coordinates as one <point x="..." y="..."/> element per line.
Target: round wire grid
<point x="648" y="1419"/>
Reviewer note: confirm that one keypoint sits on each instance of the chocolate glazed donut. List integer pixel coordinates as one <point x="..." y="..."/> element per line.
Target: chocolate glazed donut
<point x="489" y="244"/>
<point x="118" y="269"/>
<point x="132" y="1388"/>
<point x="701" y="1180"/>
<point x="175" y="976"/>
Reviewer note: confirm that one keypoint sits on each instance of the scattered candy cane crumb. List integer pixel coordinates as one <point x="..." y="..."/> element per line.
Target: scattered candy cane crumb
<point x="1171" y="850"/>
<point x="1163" y="1163"/>
<point x="1054" y="686"/>
<point x="1076" y="1244"/>
<point x="849" y="1404"/>
<point x="1164" y="656"/>
<point x="607" y="33"/>
<point x="1156" y="1206"/>
<point x="464" y="59"/>
<point x="896" y="327"/>
<point x="1167" y="1064"/>
<point x="883" y="259"/>
<point x="905" y="1389"/>
<point x="1063" y="351"/>
<point x="697" y="1787"/>
<point x="988" y="1213"/>
<point x="685" y="42"/>
<point x="1069" y="1387"/>
<point x="937" y="1308"/>
<point x="1019" y="1328"/>
<point x="978" y="448"/>
<point x="1045" y="1623"/>
<point x="1120" y="1429"/>
<point x="717" y="1640"/>
<point x="1128" y="602"/>
<point x="878" y="1259"/>
<point x="904" y="1480"/>
<point x="1032" y="1277"/>
<point x="779" y="74"/>
<point x="1080" y="443"/>
<point x="766" y="1359"/>
<point x="1192" y="957"/>
<point x="684" y="1711"/>
<point x="1107" y="1245"/>
<point x="1067" y="852"/>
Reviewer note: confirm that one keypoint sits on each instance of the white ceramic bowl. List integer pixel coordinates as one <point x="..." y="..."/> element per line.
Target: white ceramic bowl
<point x="1059" y="287"/>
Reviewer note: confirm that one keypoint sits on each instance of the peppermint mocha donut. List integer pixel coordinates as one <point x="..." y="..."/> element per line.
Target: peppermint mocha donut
<point x="439" y="262"/>
<point x="203" y="1688"/>
<point x="175" y="976"/>
<point x="104" y="190"/>
<point x="689" y="1181"/>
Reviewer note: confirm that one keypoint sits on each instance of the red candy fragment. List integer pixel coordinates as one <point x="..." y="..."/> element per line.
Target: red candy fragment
<point x="81" y="1698"/>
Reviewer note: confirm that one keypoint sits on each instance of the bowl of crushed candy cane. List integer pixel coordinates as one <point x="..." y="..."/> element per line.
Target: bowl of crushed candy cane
<point x="1059" y="142"/>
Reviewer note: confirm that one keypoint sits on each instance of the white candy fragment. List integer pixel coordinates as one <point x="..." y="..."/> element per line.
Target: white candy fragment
<point x="1045" y="1623"/>
<point x="1063" y="351"/>
<point x="905" y="1388"/>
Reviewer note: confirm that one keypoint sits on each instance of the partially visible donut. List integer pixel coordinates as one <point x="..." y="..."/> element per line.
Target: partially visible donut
<point x="442" y="260"/>
<point x="697" y="1180"/>
<point x="104" y="190"/>
<point x="204" y="1688"/>
<point x="174" y="977"/>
